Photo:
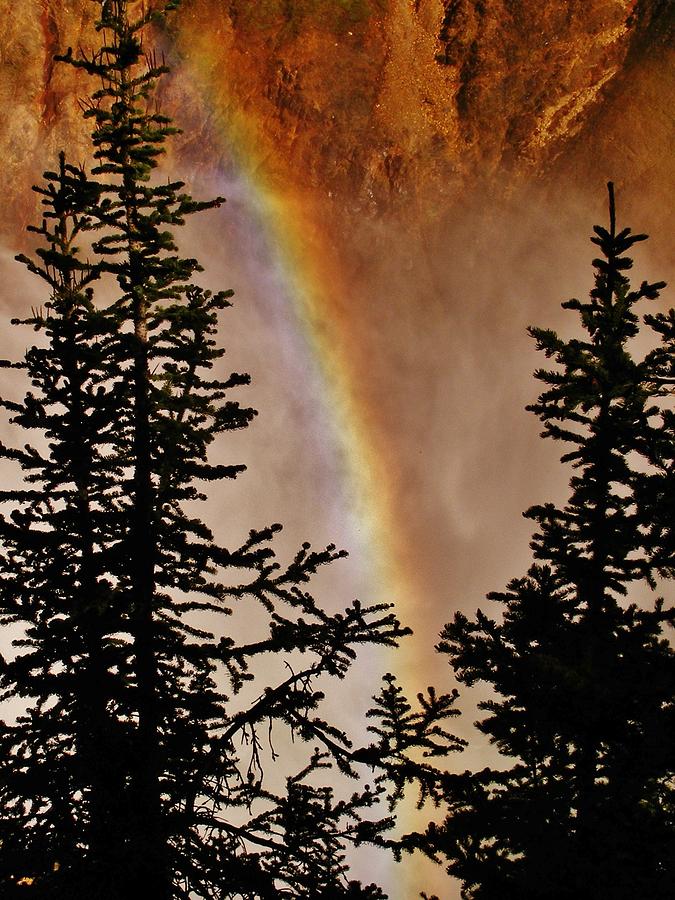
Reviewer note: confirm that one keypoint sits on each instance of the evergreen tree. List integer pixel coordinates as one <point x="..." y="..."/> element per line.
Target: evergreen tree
<point x="582" y="673"/>
<point x="128" y="771"/>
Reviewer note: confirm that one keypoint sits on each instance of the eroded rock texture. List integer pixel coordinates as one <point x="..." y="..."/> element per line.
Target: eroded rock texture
<point x="373" y="101"/>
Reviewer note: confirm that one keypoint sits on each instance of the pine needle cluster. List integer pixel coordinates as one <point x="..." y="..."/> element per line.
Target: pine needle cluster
<point x="131" y="770"/>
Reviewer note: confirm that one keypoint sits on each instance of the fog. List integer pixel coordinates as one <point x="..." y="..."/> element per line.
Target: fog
<point x="435" y="327"/>
<point x="434" y="323"/>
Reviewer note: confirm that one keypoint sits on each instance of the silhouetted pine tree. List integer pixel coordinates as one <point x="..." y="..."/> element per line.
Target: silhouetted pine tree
<point x="128" y="772"/>
<point x="582" y="673"/>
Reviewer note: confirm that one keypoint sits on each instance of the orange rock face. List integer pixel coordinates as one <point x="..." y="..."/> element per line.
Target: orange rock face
<point x="370" y="101"/>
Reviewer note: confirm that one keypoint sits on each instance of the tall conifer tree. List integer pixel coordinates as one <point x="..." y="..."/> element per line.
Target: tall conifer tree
<point x="129" y="772"/>
<point x="583" y="672"/>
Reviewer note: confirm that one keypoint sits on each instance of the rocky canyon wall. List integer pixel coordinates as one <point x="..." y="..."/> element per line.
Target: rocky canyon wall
<point x="369" y="102"/>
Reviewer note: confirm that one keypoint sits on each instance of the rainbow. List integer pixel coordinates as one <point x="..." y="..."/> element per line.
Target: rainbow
<point x="313" y="278"/>
<point x="315" y="284"/>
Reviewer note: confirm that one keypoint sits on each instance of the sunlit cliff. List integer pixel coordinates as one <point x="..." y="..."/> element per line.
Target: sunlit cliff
<point x="373" y="103"/>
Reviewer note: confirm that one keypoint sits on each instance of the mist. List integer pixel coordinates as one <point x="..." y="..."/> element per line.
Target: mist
<point x="435" y="325"/>
<point x="442" y="371"/>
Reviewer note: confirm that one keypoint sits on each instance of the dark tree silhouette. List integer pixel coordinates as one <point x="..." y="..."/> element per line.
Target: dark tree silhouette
<point x="582" y="671"/>
<point x="128" y="772"/>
